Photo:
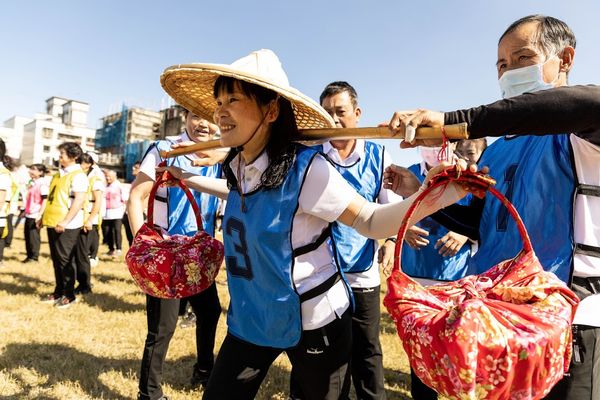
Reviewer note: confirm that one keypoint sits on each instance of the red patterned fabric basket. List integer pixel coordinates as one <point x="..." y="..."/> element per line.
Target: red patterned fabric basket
<point x="504" y="334"/>
<point x="175" y="266"/>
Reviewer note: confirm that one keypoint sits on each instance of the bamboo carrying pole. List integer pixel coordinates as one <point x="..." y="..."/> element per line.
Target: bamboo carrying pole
<point x="316" y="136"/>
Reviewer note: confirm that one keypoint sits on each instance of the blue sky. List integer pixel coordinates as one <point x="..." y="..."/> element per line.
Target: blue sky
<point x="398" y="54"/>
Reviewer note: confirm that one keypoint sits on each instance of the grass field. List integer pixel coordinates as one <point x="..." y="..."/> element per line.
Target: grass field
<point x="93" y="349"/>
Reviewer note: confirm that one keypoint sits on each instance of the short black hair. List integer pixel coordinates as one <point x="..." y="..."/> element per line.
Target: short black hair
<point x="552" y="35"/>
<point x="71" y="149"/>
<point x="9" y="162"/>
<point x="339" y="87"/>
<point x="40" y="167"/>
<point x="88" y="159"/>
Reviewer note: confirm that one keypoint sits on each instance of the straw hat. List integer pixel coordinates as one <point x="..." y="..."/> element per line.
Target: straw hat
<point x="191" y="85"/>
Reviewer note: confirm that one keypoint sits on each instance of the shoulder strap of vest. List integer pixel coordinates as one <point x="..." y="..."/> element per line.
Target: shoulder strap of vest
<point x="587" y="250"/>
<point x="329" y="282"/>
<point x="321" y="288"/>
<point x="149" y="149"/>
<point x="588" y="190"/>
<point x="307" y="248"/>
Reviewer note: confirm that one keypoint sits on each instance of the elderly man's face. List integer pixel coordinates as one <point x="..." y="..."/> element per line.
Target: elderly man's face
<point x="340" y="107"/>
<point x="518" y="49"/>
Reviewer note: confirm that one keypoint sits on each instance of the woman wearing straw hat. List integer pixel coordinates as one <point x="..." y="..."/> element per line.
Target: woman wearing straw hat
<point x="286" y="292"/>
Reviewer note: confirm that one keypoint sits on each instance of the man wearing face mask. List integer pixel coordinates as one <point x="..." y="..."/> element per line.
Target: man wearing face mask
<point x="547" y="162"/>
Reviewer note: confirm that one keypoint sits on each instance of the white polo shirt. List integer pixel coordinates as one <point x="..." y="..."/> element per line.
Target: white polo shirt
<point x="99" y="185"/>
<point x="324" y="196"/>
<point x="370" y="278"/>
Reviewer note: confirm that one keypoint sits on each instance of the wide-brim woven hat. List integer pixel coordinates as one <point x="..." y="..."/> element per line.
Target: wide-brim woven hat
<point x="191" y="85"/>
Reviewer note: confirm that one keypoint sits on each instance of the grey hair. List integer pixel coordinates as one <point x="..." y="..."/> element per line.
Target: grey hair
<point x="339" y="87"/>
<point x="552" y="35"/>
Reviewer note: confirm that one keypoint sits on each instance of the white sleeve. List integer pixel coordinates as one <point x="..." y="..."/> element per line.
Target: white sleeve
<point x="149" y="163"/>
<point x="45" y="188"/>
<point x="125" y="190"/>
<point x="325" y="193"/>
<point x="5" y="182"/>
<point x="386" y="195"/>
<point x="378" y="221"/>
<point x="80" y="183"/>
<point x="99" y="185"/>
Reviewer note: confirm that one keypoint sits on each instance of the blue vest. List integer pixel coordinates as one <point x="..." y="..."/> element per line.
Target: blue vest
<point x="536" y="174"/>
<point x="354" y="252"/>
<point x="181" y="219"/>
<point x="264" y="307"/>
<point x="427" y="262"/>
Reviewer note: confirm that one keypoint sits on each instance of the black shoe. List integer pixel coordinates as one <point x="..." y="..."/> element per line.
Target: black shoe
<point x="199" y="377"/>
<point x="79" y="290"/>
<point x="140" y="397"/>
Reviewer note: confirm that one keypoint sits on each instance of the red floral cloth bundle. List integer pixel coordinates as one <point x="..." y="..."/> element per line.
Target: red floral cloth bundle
<point x="504" y="334"/>
<point x="173" y="266"/>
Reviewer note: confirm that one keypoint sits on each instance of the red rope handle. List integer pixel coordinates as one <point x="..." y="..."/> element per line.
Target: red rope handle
<point x="161" y="180"/>
<point x="443" y="154"/>
<point x="475" y="182"/>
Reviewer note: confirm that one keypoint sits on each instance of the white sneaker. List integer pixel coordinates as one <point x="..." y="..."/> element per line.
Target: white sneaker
<point x="94" y="262"/>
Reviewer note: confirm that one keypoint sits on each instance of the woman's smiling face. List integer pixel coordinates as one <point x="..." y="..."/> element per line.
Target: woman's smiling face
<point x="238" y="116"/>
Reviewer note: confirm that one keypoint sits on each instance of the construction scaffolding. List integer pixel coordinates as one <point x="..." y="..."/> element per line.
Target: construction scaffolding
<point x="133" y="153"/>
<point x="112" y="136"/>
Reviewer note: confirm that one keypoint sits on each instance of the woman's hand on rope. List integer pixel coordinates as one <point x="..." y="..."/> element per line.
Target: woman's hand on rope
<point x="461" y="165"/>
<point x="176" y="174"/>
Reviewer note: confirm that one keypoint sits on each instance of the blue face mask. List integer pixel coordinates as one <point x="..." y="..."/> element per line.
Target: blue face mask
<point x="522" y="80"/>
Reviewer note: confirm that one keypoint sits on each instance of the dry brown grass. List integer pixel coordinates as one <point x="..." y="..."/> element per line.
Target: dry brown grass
<point x="93" y="349"/>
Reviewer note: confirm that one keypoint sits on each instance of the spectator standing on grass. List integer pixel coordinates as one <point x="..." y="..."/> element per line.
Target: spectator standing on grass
<point x="7" y="187"/>
<point x="97" y="186"/>
<point x="89" y="235"/>
<point x="115" y="208"/>
<point x="35" y="203"/>
<point x="63" y="216"/>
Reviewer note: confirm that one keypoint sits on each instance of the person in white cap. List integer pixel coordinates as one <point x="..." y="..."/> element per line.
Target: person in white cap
<point x="287" y="293"/>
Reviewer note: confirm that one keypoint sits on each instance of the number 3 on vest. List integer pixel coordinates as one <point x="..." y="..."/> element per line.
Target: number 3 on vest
<point x="244" y="270"/>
